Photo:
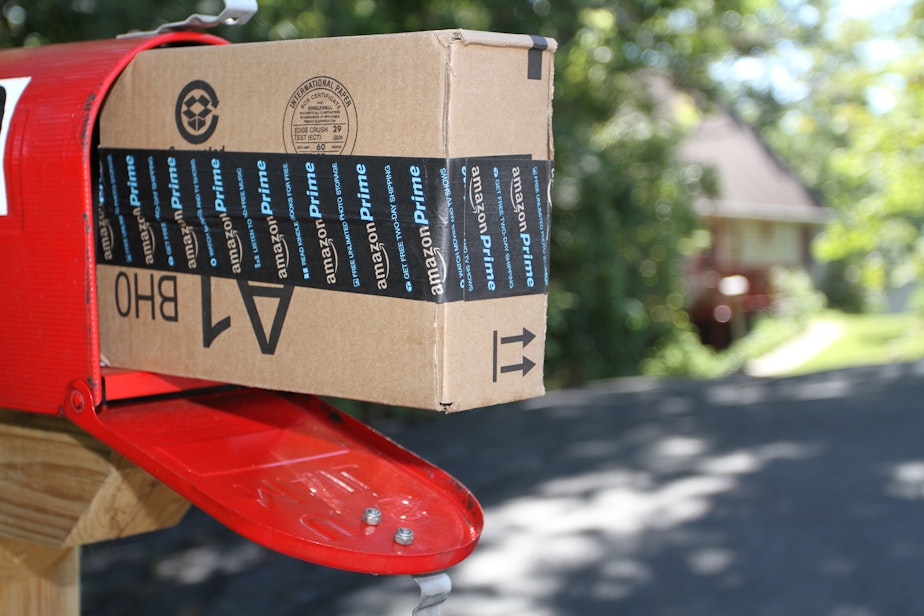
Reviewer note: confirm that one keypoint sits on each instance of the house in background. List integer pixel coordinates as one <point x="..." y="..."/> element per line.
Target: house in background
<point x="763" y="217"/>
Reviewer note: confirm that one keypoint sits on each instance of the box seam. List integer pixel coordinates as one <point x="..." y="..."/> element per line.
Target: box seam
<point x="447" y="96"/>
<point x="440" y="374"/>
<point x="551" y="137"/>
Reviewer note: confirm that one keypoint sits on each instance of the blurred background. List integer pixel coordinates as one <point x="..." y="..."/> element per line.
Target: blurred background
<point x="726" y="170"/>
<point x="738" y="191"/>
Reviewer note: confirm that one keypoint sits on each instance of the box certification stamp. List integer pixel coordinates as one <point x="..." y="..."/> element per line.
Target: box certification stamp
<point x="320" y="118"/>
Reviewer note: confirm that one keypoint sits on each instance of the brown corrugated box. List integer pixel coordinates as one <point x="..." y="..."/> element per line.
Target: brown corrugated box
<point x="437" y="316"/>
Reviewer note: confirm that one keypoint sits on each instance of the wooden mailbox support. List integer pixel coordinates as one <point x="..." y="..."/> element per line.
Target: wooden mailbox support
<point x="59" y="489"/>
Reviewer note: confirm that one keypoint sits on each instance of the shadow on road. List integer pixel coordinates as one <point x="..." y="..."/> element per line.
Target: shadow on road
<point x="741" y="496"/>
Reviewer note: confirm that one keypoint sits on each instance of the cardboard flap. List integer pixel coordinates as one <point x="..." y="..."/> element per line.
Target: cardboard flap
<point x="296" y="475"/>
<point x="500" y="39"/>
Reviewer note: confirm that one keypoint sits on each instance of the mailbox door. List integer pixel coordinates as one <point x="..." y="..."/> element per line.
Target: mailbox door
<point x="294" y="474"/>
<point x="49" y="100"/>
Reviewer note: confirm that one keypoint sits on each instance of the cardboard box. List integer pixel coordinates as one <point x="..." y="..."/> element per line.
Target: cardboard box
<point x="361" y="217"/>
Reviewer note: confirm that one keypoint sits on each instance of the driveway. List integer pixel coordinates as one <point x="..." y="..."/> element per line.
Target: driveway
<point x="634" y="496"/>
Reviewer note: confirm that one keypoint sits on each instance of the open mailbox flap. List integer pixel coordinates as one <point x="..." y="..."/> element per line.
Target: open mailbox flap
<point x="294" y="474"/>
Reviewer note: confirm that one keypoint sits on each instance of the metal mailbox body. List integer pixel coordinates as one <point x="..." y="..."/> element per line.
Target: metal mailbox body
<point x="48" y="310"/>
<point x="287" y="471"/>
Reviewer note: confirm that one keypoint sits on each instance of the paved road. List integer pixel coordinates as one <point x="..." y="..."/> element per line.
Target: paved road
<point x="743" y="496"/>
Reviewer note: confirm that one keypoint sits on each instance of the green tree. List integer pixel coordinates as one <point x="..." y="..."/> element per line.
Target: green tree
<point x="880" y="187"/>
<point x="621" y="208"/>
<point x="851" y="119"/>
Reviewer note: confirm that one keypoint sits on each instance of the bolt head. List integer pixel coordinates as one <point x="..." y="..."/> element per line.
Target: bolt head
<point x="404" y="536"/>
<point x="372" y="516"/>
<point x="77" y="401"/>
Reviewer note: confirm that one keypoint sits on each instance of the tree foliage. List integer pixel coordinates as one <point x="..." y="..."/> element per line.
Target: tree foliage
<point x="852" y="120"/>
<point x="621" y="207"/>
<point x="880" y="192"/>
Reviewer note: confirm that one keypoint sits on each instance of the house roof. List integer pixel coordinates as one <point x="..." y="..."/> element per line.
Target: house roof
<point x="753" y="183"/>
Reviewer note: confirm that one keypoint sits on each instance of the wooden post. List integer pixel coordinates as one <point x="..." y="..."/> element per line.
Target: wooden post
<point x="37" y="579"/>
<point x="60" y="489"/>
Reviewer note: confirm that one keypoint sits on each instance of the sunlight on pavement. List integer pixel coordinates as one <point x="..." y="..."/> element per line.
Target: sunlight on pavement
<point x="907" y="480"/>
<point x="533" y="546"/>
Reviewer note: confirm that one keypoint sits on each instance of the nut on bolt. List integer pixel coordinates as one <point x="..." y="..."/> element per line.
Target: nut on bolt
<point x="404" y="536"/>
<point x="372" y="516"/>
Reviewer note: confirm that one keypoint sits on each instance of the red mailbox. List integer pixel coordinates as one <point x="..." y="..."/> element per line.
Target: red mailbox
<point x="287" y="471"/>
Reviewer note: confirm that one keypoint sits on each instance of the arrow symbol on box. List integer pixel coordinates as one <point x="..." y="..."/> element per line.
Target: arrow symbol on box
<point x="526" y="337"/>
<point x="525" y="367"/>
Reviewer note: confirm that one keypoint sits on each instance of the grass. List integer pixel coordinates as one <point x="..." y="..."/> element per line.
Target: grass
<point x="869" y="339"/>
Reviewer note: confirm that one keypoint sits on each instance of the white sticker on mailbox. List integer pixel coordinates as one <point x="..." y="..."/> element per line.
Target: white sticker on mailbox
<point x="10" y="91"/>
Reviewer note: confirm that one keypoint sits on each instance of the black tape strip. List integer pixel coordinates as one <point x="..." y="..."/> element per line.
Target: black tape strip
<point x="534" y="57"/>
<point x="425" y="229"/>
